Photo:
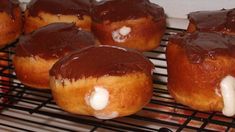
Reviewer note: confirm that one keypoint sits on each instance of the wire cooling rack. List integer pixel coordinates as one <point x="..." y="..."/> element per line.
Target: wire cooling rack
<point x="27" y="109"/>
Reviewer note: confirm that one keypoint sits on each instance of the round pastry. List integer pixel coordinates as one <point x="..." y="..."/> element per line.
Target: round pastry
<point x="219" y="21"/>
<point x="37" y="52"/>
<point x="136" y="24"/>
<point x="201" y="71"/>
<point x="10" y="21"/>
<point x="102" y="81"/>
<point x="43" y="12"/>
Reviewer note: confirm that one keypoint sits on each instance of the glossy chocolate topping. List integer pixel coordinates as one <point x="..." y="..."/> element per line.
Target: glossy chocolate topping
<point x="117" y="10"/>
<point x="99" y="61"/>
<point x="8" y="6"/>
<point x="201" y="45"/>
<point x="64" y="7"/>
<point x="54" y="41"/>
<point x="222" y="20"/>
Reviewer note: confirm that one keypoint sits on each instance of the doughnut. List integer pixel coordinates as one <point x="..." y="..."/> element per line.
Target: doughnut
<point x="217" y="21"/>
<point x="43" y="12"/>
<point x="37" y="52"/>
<point x="102" y="81"/>
<point x="201" y="71"/>
<point x="136" y="24"/>
<point x="10" y="21"/>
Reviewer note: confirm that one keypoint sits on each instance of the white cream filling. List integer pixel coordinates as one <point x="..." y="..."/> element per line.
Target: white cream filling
<point x="124" y="30"/>
<point x="106" y="116"/>
<point x="227" y="86"/>
<point x="99" y="98"/>
<point x="120" y="35"/>
<point x="23" y="4"/>
<point x="98" y="0"/>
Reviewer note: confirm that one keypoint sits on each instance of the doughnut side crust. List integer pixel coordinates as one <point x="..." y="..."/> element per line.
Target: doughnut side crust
<point x="33" y="71"/>
<point x="197" y="85"/>
<point x="192" y="27"/>
<point x="145" y="34"/>
<point x="43" y="19"/>
<point x="127" y="94"/>
<point x="10" y="26"/>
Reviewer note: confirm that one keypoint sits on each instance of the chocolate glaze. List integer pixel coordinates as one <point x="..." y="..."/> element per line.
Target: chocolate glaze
<point x="8" y="6"/>
<point x="222" y="20"/>
<point x="201" y="45"/>
<point x="54" y="41"/>
<point x="117" y="10"/>
<point x="64" y="7"/>
<point x="97" y="61"/>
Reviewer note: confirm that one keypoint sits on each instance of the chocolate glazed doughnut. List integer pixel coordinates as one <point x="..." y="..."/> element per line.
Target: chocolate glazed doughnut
<point x="102" y="81"/>
<point x="37" y="52"/>
<point x="219" y="21"/>
<point x="10" y="21"/>
<point x="136" y="24"/>
<point x="201" y="71"/>
<point x="43" y="12"/>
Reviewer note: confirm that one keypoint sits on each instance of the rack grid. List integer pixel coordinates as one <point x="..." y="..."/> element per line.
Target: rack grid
<point x="28" y="109"/>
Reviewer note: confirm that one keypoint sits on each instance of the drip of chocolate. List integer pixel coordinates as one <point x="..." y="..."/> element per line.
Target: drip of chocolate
<point x="54" y="41"/>
<point x="201" y="45"/>
<point x="97" y="61"/>
<point x="118" y="10"/>
<point x="222" y="20"/>
<point x="64" y="7"/>
<point x="8" y="6"/>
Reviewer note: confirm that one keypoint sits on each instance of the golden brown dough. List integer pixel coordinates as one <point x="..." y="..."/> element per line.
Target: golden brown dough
<point x="136" y="24"/>
<point x="10" y="21"/>
<point x="197" y="63"/>
<point x="217" y="21"/>
<point x="37" y="52"/>
<point x="102" y="81"/>
<point x="40" y="13"/>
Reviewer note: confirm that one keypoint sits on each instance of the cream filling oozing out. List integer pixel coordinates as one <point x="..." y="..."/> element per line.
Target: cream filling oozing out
<point x="106" y="116"/>
<point x="99" y="98"/>
<point x="120" y="35"/>
<point x="227" y="86"/>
